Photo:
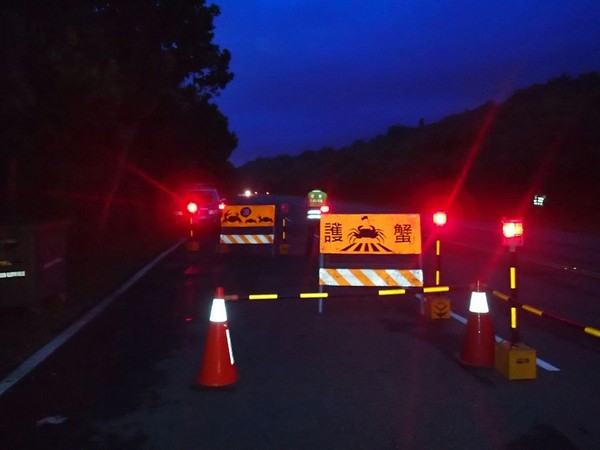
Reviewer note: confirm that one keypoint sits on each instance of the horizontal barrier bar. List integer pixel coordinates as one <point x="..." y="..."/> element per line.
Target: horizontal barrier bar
<point x="592" y="331"/>
<point x="309" y="295"/>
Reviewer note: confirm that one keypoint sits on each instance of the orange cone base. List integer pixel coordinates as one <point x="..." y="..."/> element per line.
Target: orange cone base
<point x="478" y="346"/>
<point x="218" y="368"/>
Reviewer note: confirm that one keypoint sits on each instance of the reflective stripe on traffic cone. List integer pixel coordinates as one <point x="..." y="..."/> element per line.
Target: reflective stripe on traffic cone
<point x="218" y="366"/>
<point x="478" y="345"/>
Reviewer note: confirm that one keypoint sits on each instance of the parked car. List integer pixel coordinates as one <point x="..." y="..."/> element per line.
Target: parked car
<point x="198" y="207"/>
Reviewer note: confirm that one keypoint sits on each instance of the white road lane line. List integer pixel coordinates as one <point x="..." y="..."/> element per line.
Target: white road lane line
<point x="37" y="358"/>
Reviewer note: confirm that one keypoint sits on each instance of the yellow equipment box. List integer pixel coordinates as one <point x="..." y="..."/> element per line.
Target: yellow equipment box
<point x="516" y="362"/>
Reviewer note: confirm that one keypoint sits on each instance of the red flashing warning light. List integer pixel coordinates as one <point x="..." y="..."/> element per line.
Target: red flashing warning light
<point x="512" y="232"/>
<point x="192" y="208"/>
<point x="439" y="218"/>
<point x="222" y="206"/>
<point x="324" y="209"/>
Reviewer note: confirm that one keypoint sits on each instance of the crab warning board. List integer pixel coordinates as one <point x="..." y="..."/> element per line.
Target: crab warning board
<point x="371" y="234"/>
<point x="248" y="216"/>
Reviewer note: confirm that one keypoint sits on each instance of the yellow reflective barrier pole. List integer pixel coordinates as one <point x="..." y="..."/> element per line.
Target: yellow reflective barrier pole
<point x="283" y="229"/>
<point x="438" y="257"/>
<point x="513" y="295"/>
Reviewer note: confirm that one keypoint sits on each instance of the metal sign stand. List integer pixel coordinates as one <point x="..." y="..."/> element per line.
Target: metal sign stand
<point x="321" y="264"/>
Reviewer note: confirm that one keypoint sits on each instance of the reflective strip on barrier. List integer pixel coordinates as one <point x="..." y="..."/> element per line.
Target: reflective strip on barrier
<point x="532" y="310"/>
<point x="501" y="295"/>
<point x="247" y="239"/>
<point x="391" y="292"/>
<point x="370" y="277"/>
<point x="435" y="289"/>
<point x="263" y="297"/>
<point x="314" y="295"/>
<point x="593" y="331"/>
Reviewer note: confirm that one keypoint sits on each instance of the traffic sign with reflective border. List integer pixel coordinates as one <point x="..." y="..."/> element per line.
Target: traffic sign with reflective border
<point x="370" y="234"/>
<point x="248" y="216"/>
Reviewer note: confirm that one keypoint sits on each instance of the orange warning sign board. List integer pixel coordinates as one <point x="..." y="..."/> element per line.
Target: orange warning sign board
<point x="248" y="216"/>
<point x="370" y="234"/>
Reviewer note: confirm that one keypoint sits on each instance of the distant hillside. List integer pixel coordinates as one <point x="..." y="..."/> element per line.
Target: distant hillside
<point x="485" y="163"/>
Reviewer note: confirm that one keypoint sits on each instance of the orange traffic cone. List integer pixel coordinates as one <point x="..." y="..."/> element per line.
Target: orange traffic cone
<point x="218" y="367"/>
<point x="478" y="346"/>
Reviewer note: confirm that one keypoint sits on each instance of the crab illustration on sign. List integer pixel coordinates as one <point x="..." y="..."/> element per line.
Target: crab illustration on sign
<point x="236" y="216"/>
<point x="369" y="231"/>
<point x="231" y="217"/>
<point x="379" y="234"/>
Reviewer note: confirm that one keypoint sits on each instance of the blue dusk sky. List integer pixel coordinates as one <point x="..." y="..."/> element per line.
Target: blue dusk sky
<point x="314" y="73"/>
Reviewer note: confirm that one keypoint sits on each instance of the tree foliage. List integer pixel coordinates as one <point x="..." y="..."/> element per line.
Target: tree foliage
<point x="485" y="163"/>
<point x="92" y="88"/>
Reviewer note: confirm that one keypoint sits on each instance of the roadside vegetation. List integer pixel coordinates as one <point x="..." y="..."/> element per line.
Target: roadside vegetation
<point x="102" y="105"/>
<point x="483" y="163"/>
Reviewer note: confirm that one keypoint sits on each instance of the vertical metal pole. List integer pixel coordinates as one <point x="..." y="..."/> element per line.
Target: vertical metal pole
<point x="275" y="240"/>
<point x="438" y="262"/>
<point x="513" y="296"/>
<point x="321" y="264"/>
<point x="283" y="230"/>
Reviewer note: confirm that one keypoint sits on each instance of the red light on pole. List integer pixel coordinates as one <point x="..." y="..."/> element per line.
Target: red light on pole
<point x="324" y="209"/>
<point x="439" y="218"/>
<point x="512" y="232"/>
<point x="192" y="208"/>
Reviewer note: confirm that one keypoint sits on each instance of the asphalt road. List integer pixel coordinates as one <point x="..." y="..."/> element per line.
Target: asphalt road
<point x="367" y="372"/>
